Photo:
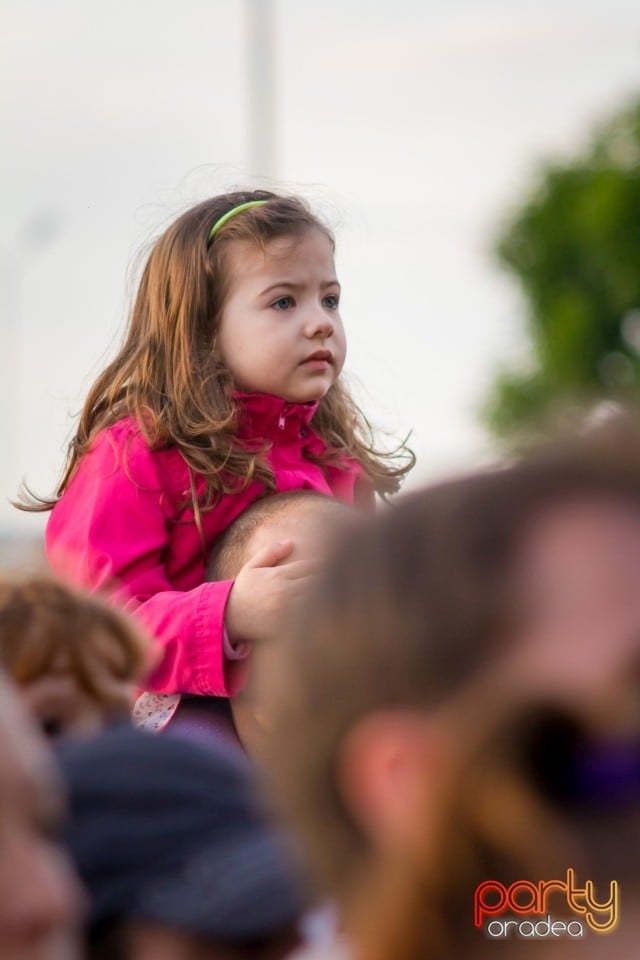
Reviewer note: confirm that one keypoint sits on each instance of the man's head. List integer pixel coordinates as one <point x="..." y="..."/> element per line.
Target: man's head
<point x="75" y="659"/>
<point x="308" y="520"/>
<point x="542" y="556"/>
<point x="39" y="897"/>
<point x="302" y="516"/>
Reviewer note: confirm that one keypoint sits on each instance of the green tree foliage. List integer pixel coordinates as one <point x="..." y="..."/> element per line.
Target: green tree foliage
<point x="574" y="247"/>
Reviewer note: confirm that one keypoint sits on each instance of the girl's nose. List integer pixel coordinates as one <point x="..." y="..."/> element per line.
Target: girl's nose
<point x="319" y="324"/>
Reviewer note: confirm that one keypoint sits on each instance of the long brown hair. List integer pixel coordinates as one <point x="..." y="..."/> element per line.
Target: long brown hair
<point x="168" y="377"/>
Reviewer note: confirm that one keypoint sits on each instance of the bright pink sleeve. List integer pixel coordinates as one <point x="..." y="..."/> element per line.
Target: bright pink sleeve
<point x="109" y="532"/>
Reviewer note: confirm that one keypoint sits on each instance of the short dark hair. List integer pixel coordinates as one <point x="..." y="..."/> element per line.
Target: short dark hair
<point x="229" y="552"/>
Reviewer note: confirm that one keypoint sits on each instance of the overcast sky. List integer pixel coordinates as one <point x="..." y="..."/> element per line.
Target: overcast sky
<point x="414" y="126"/>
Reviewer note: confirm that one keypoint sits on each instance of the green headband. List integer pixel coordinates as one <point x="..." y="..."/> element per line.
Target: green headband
<point x="231" y="213"/>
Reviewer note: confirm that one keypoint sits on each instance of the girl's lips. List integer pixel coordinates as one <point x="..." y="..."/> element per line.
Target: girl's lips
<point x="317" y="366"/>
<point x="321" y="358"/>
<point x="314" y="364"/>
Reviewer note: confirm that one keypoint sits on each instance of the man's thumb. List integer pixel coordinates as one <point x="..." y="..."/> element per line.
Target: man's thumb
<point x="272" y="555"/>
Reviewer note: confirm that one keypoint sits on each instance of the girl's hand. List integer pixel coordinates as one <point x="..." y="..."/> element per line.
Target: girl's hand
<point x="264" y="593"/>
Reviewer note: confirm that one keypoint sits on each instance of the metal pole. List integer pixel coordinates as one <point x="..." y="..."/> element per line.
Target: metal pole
<point x="261" y="76"/>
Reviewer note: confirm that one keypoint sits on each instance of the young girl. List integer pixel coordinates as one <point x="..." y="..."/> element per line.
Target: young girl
<point x="227" y="387"/>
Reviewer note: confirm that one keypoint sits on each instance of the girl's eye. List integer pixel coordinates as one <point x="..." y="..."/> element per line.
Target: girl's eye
<point x="283" y="303"/>
<point x="331" y="302"/>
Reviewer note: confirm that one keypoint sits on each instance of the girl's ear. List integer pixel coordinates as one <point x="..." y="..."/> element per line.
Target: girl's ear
<point x="385" y="767"/>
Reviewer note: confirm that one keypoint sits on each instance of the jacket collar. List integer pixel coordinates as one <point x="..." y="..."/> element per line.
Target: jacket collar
<point x="261" y="415"/>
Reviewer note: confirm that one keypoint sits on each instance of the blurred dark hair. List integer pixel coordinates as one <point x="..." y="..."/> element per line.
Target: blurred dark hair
<point x="111" y="940"/>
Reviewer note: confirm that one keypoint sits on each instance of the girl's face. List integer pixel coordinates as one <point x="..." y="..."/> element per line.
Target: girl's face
<point x="280" y="330"/>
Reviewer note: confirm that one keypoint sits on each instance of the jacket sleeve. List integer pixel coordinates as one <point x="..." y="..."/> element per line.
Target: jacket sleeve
<point x="110" y="531"/>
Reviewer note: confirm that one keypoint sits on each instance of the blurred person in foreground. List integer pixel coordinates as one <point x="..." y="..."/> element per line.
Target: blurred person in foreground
<point x="75" y="660"/>
<point x="528" y="572"/>
<point x="175" y="856"/>
<point x="307" y="520"/>
<point x="40" y="900"/>
<point x="531" y="838"/>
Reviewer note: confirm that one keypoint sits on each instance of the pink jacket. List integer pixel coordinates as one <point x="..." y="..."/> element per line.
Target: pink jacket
<point x="125" y="524"/>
